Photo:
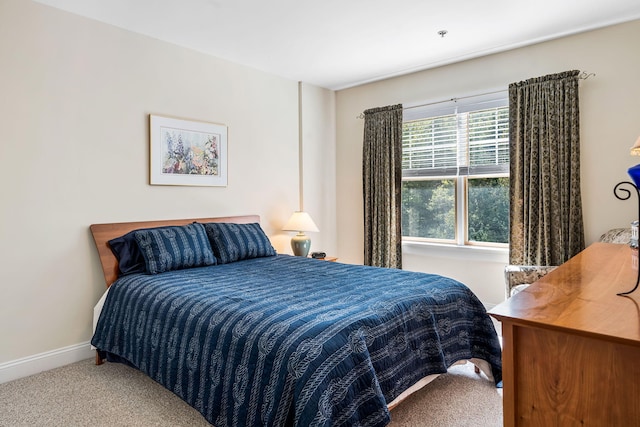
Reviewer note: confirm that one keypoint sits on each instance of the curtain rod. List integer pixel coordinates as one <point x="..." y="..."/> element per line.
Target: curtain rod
<point x="454" y="99"/>
<point x="583" y="76"/>
<point x="361" y="115"/>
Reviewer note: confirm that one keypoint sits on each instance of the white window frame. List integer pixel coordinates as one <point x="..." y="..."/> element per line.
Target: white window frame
<point x="491" y="99"/>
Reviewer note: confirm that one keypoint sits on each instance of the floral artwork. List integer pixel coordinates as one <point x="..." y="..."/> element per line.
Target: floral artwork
<point x="187" y="152"/>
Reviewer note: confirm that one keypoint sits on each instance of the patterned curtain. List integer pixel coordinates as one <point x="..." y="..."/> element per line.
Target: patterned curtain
<point x="382" y="182"/>
<point x="546" y="209"/>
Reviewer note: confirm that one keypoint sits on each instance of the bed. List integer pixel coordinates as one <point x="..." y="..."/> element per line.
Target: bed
<point x="249" y="337"/>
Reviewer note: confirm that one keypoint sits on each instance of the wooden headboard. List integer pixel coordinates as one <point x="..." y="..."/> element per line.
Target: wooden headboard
<point x="102" y="233"/>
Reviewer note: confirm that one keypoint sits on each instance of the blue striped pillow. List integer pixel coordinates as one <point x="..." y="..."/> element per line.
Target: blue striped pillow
<point x="174" y="248"/>
<point x="130" y="259"/>
<point x="235" y="242"/>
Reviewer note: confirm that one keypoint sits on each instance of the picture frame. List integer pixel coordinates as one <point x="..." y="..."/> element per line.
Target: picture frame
<point x="185" y="152"/>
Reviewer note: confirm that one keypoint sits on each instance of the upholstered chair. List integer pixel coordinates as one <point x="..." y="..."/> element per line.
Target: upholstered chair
<point x="518" y="277"/>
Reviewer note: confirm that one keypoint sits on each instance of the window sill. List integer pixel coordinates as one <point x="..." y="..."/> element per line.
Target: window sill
<point x="477" y="253"/>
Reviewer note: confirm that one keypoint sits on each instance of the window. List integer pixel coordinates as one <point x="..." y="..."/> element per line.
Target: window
<point x="455" y="167"/>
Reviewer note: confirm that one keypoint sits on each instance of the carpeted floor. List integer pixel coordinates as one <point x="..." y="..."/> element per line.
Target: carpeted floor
<point x="82" y="394"/>
<point x="460" y="398"/>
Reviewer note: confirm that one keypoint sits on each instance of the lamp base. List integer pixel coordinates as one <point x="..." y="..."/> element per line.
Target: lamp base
<point x="300" y="244"/>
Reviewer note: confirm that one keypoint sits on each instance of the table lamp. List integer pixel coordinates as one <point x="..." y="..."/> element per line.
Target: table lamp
<point x="300" y="222"/>
<point x="624" y="194"/>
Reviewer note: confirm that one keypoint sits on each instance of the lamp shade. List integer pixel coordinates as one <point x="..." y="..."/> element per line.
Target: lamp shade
<point x="634" y="173"/>
<point x="635" y="150"/>
<point x="300" y="221"/>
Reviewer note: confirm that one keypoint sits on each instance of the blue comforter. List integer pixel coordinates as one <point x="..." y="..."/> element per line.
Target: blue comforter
<point x="289" y="341"/>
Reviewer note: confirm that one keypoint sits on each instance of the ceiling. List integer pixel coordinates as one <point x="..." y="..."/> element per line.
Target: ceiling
<point x="337" y="44"/>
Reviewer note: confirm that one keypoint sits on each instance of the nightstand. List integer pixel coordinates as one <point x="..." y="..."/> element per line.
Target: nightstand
<point x="328" y="258"/>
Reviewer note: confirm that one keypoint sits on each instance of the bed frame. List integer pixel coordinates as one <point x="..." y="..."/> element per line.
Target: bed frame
<point x="102" y="233"/>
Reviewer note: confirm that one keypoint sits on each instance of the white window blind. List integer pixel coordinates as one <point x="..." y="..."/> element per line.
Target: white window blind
<point x="459" y="139"/>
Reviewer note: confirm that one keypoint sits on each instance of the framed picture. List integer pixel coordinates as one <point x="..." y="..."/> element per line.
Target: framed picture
<point x="186" y="152"/>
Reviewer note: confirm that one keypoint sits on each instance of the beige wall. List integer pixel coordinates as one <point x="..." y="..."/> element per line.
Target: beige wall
<point x="76" y="96"/>
<point x="319" y="166"/>
<point x="610" y="117"/>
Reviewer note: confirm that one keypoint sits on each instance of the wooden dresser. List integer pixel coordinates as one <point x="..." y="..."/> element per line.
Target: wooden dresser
<point x="571" y="346"/>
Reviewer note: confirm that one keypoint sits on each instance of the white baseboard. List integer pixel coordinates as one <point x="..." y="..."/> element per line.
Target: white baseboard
<point x="30" y="365"/>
